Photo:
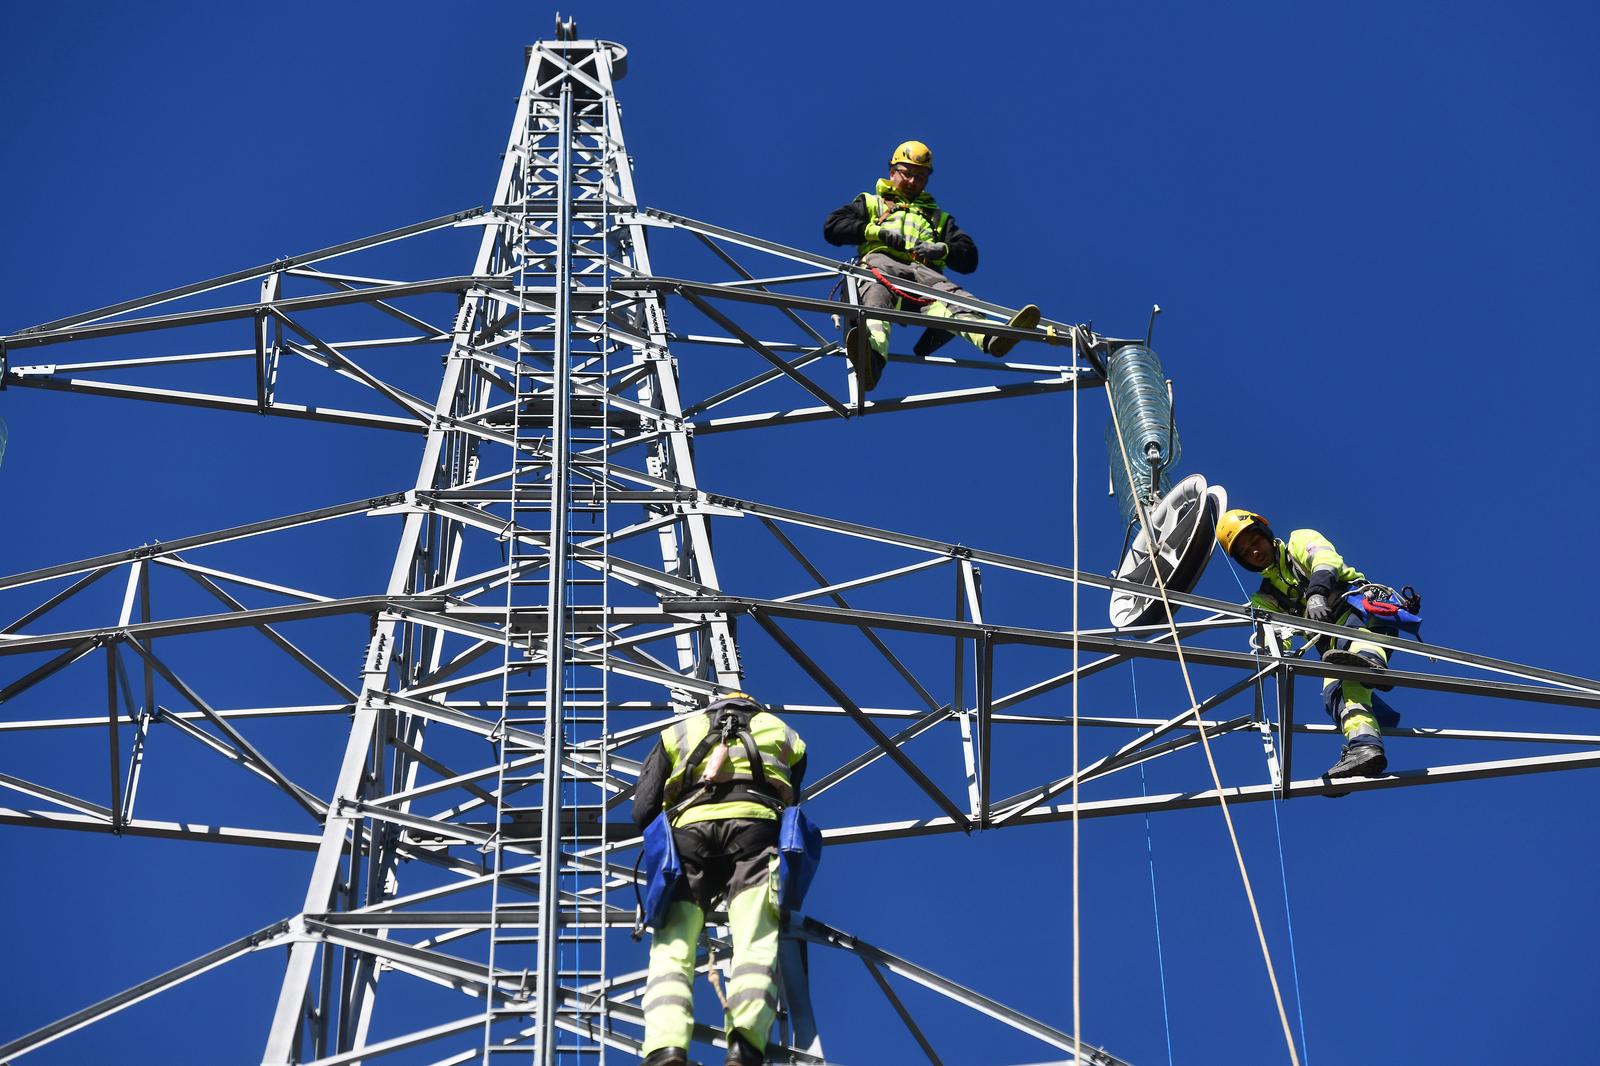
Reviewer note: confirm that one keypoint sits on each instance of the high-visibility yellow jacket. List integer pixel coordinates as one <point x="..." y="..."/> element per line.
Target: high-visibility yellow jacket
<point x="916" y="220"/>
<point x="1305" y="561"/>
<point x="727" y="769"/>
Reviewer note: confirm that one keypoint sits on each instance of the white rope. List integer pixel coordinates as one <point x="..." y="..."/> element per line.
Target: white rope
<point x="1205" y="742"/>
<point x="1077" y="940"/>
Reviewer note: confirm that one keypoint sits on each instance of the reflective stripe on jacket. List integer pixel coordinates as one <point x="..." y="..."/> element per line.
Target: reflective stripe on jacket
<point x="778" y="746"/>
<point x="1283" y="584"/>
<point x="918" y="221"/>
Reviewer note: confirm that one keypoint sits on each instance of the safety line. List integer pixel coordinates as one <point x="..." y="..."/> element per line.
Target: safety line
<point x="1077" y="939"/>
<point x="1205" y="740"/>
<point x="1283" y="870"/>
<point x="1288" y="918"/>
<point x="1155" y="903"/>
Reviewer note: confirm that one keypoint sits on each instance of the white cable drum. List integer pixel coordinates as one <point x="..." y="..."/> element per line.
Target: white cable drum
<point x="1185" y="524"/>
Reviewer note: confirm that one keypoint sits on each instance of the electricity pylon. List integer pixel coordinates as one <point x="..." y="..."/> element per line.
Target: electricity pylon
<point x="554" y="602"/>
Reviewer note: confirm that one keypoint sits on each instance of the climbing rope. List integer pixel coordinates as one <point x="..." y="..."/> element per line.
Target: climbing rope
<point x="1200" y="725"/>
<point x="1155" y="904"/>
<point x="1077" y="939"/>
<point x="1283" y="870"/>
<point x="1288" y="919"/>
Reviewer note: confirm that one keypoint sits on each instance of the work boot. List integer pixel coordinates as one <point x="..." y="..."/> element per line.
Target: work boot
<point x="1367" y="659"/>
<point x="868" y="363"/>
<point x="1026" y="318"/>
<point x="931" y="341"/>
<point x="667" y="1056"/>
<point x="1360" y="760"/>
<point x="859" y="349"/>
<point x="741" y="1052"/>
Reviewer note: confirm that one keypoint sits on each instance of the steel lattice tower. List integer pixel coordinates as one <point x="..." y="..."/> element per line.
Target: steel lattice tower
<point x="554" y="601"/>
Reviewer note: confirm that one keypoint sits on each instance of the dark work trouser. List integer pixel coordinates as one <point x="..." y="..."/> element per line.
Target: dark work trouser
<point x="877" y="295"/>
<point x="734" y="859"/>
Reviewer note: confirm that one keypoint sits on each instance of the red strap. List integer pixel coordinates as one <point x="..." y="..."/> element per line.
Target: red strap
<point x="1379" y="608"/>
<point x="892" y="287"/>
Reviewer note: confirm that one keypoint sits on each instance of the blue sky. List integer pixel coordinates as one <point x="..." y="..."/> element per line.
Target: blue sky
<point x="1371" y="231"/>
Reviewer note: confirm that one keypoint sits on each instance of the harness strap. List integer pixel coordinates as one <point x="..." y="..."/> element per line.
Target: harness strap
<point x="701" y="791"/>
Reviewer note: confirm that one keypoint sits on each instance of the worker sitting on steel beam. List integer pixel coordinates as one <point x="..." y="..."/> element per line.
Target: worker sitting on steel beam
<point x="1306" y="576"/>
<point x="722" y="777"/>
<point x="903" y="236"/>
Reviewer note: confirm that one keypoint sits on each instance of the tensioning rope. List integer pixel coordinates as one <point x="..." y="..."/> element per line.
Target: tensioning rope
<point x="1155" y="904"/>
<point x="1077" y="959"/>
<point x="1283" y="870"/>
<point x="1199" y="720"/>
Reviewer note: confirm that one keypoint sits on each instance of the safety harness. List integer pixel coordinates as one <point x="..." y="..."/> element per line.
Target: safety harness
<point x="731" y="723"/>
<point x="924" y="221"/>
<point x="799" y="840"/>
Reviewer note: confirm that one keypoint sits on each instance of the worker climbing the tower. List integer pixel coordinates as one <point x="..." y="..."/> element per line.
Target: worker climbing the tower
<point x="902" y="235"/>
<point x="1306" y="576"/>
<point x="722" y="777"/>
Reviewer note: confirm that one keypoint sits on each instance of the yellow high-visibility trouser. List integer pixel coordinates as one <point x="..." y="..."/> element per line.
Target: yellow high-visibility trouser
<point x="1355" y="716"/>
<point x="737" y="858"/>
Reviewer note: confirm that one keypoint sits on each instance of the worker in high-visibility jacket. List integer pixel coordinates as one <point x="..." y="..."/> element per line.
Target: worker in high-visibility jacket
<point x="1306" y="576"/>
<point x="723" y="809"/>
<point x="902" y="235"/>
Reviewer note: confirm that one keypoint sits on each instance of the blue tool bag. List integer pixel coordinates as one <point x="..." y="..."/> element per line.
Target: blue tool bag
<point x="660" y="867"/>
<point x="1383" y="610"/>
<point x="799" y="855"/>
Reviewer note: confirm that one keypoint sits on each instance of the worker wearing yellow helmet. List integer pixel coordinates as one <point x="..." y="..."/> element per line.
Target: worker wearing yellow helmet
<point x="1306" y="576"/>
<point x="719" y="781"/>
<point x="901" y="234"/>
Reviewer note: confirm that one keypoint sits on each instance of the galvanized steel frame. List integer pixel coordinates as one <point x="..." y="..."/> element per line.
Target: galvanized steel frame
<point x="434" y="627"/>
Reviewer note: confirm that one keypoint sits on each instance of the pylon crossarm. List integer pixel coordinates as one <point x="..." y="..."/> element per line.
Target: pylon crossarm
<point x="99" y="721"/>
<point x="181" y="544"/>
<point x="56" y="796"/>
<point x="272" y="936"/>
<point x="697" y="291"/>
<point x="919" y="401"/>
<point x="843" y="773"/>
<point x="235" y="312"/>
<point x="256" y="273"/>
<point x="829" y="685"/>
<point x="173" y="627"/>
<point x="811" y="930"/>
<point x="1178" y="801"/>
<point x="216" y="402"/>
<point x="1022" y="635"/>
<point x="25" y="374"/>
<point x="1124" y="755"/>
<point x="656" y="217"/>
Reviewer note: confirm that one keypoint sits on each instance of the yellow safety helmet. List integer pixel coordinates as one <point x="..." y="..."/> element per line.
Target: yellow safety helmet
<point x="914" y="153"/>
<point x="1236" y="521"/>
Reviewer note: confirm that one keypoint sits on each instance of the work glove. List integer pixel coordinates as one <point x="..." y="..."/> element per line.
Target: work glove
<point x="891" y="237"/>
<point x="930" y="251"/>
<point x="1319" y="608"/>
